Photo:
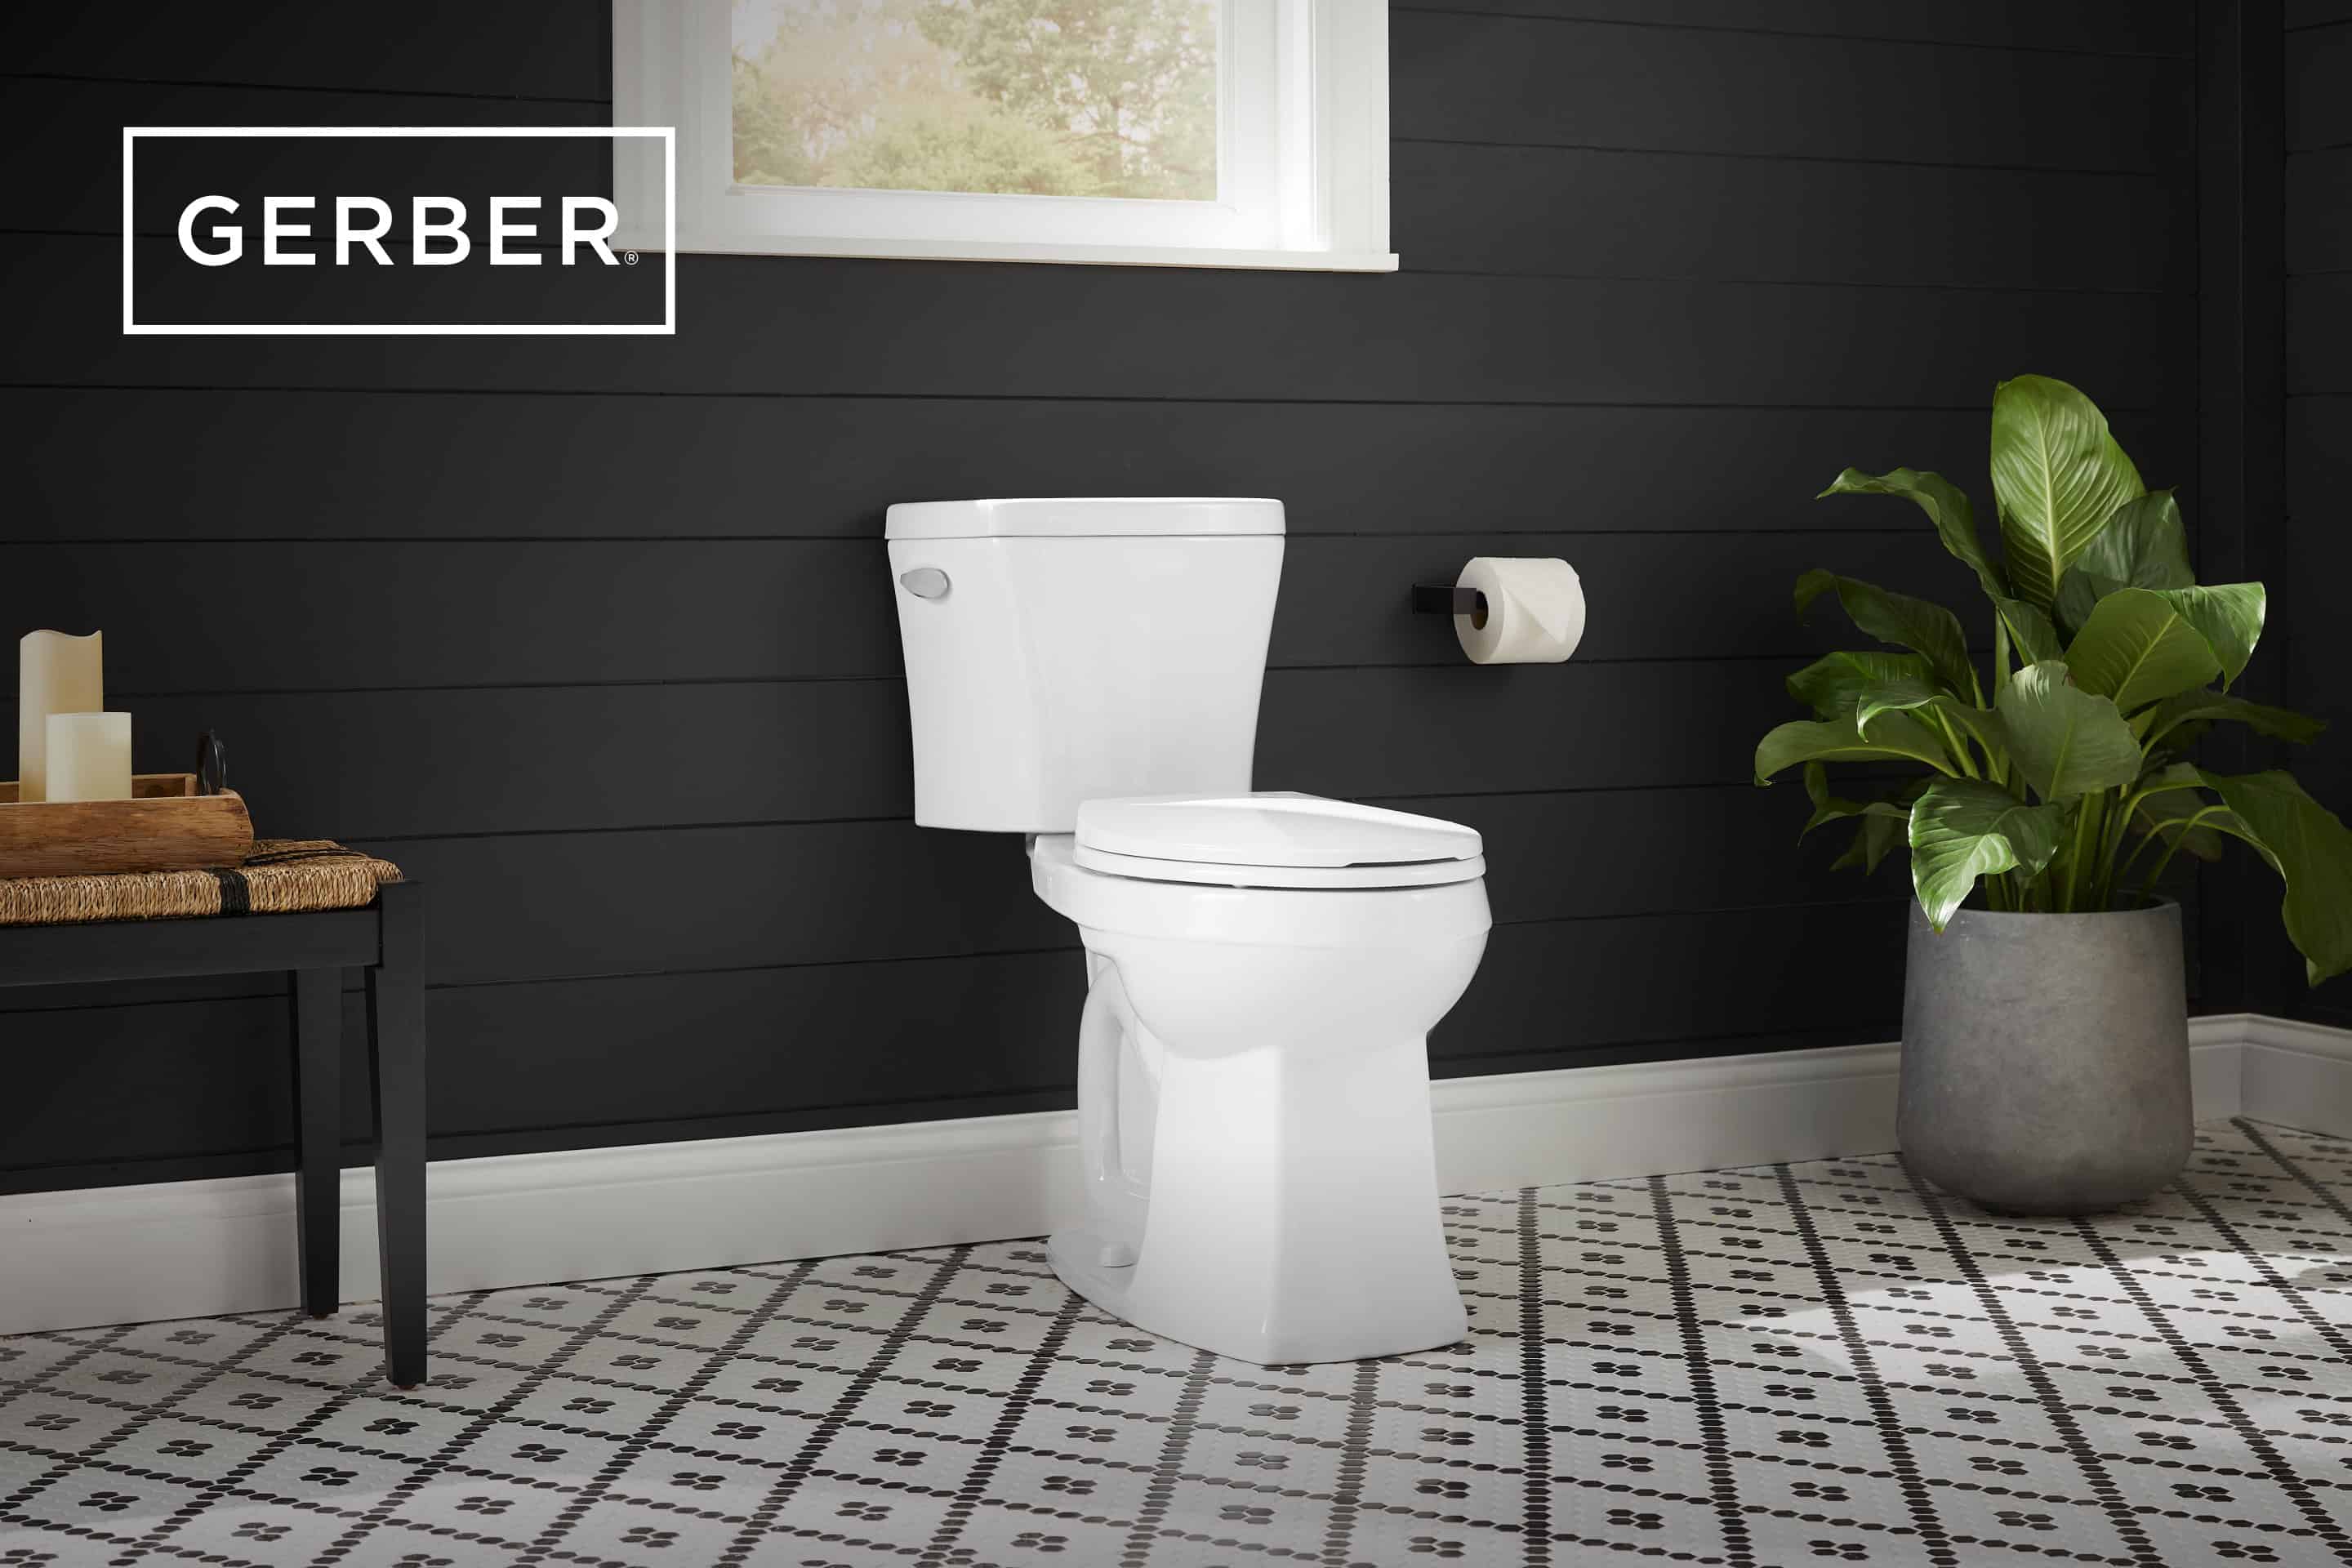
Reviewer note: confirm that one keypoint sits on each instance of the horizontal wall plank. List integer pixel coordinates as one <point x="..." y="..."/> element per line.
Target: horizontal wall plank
<point x="557" y="905"/>
<point x="2307" y="671"/>
<point x="139" y="993"/>
<point x="1453" y="729"/>
<point x="440" y="47"/>
<point x="372" y="765"/>
<point x="2319" y="357"/>
<point x="475" y="615"/>
<point x="785" y="325"/>
<point x="726" y="1050"/>
<point x="2317" y="454"/>
<point x="1440" y="729"/>
<point x="2092" y="26"/>
<point x="1580" y="986"/>
<point x="1484" y="78"/>
<point x="2318" y="64"/>
<point x="2301" y="14"/>
<point x="268" y="464"/>
<point x="2318" y="213"/>
<point x="1724" y="596"/>
<point x="1609" y="853"/>
<point x="570" y="906"/>
<point x="123" y="1094"/>
<point x="579" y="611"/>
<point x="2308" y="560"/>
<point x="712" y="1049"/>
<point x="1580" y="212"/>
<point x="389" y="764"/>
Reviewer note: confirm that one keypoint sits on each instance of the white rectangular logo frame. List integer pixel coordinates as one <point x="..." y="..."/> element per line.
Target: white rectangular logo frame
<point x="666" y="327"/>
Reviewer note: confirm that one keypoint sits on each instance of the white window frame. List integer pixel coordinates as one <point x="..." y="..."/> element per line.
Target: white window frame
<point x="1303" y="159"/>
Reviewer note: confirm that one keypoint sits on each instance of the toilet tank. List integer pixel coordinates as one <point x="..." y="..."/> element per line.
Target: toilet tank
<point x="1066" y="651"/>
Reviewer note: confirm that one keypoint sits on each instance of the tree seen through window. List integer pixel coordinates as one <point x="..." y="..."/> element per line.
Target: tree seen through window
<point x="1063" y="98"/>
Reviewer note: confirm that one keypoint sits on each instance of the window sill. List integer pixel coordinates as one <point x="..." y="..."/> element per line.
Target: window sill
<point x="1024" y="250"/>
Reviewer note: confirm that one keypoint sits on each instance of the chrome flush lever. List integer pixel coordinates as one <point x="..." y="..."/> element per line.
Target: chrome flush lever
<point x="925" y="583"/>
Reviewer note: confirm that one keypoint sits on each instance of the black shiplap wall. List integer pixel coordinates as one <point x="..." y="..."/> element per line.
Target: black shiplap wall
<point x="595" y="635"/>
<point x="2314" y="553"/>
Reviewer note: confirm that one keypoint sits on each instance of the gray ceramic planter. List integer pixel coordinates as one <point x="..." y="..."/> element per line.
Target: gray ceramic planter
<point x="2046" y="1057"/>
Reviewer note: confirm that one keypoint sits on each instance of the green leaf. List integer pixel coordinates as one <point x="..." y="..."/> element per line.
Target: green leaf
<point x="2059" y="477"/>
<point x="1965" y="829"/>
<point x="2137" y="648"/>
<point x="2166" y="815"/>
<point x="2035" y="639"/>
<point x="2310" y="850"/>
<point x="2079" y="593"/>
<point x="1874" y="838"/>
<point x="1946" y="506"/>
<point x="1837" y="740"/>
<point x="1827" y="807"/>
<point x="1983" y="725"/>
<point x="1928" y="629"/>
<point x="2065" y="740"/>
<point x="2229" y="616"/>
<point x="2144" y="545"/>
<point x="2178" y="776"/>
<point x="1893" y="696"/>
<point x="1831" y="684"/>
<point x="1881" y="829"/>
<point x="2189" y="706"/>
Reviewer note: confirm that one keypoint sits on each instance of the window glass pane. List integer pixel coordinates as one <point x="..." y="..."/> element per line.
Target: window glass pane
<point x="1061" y="97"/>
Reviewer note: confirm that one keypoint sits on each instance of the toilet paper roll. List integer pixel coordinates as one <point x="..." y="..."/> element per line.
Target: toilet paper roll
<point x="1535" y="610"/>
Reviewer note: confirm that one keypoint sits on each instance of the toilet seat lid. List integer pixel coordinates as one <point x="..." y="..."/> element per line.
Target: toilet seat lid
<point x="1320" y="842"/>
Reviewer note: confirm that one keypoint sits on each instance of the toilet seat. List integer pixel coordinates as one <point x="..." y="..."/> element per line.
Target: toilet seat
<point x="1219" y="908"/>
<point x="1273" y="839"/>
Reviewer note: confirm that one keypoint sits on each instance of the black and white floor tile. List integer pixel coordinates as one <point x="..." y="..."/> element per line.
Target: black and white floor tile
<point x="1822" y="1364"/>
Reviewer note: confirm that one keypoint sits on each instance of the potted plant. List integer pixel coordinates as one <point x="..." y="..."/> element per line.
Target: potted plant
<point x="2045" y="1053"/>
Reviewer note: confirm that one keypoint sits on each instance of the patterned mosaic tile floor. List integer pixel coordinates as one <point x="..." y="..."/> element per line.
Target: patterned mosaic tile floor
<point x="1818" y="1364"/>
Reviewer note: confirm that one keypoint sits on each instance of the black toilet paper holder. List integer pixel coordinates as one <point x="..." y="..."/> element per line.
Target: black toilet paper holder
<point x="1447" y="599"/>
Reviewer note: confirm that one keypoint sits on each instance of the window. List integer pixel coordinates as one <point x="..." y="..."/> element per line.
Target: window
<point x="1175" y="132"/>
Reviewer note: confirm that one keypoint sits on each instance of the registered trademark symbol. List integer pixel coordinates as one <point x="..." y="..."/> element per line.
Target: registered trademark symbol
<point x="629" y="257"/>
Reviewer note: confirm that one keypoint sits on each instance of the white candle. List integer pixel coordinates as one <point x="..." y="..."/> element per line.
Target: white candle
<point x="89" y="756"/>
<point x="57" y="674"/>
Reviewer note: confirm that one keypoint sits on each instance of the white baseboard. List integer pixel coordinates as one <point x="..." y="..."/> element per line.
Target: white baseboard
<point x="175" y="1249"/>
<point x="2298" y="1074"/>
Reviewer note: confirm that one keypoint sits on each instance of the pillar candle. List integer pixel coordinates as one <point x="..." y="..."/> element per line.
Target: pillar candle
<point x="89" y="756"/>
<point x="58" y="673"/>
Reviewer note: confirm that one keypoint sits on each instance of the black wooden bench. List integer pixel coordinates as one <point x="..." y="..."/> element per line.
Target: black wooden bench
<point x="387" y="939"/>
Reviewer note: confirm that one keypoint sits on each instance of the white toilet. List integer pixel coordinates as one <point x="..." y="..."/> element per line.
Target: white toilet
<point x="1263" y="968"/>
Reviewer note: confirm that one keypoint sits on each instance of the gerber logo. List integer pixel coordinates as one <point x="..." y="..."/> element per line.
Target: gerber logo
<point x="438" y="223"/>
<point x="260" y="230"/>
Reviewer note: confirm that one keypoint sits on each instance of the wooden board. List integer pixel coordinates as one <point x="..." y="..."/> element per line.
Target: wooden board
<point x="165" y="826"/>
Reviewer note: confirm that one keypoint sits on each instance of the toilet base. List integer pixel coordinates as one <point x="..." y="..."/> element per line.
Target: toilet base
<point x="1291" y="1212"/>
<point x="1076" y="1254"/>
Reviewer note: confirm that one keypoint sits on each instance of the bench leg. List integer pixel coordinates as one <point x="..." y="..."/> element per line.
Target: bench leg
<point x="397" y="1054"/>
<point x="317" y="998"/>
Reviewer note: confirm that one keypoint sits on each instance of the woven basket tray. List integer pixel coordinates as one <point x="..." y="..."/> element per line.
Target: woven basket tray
<point x="165" y="825"/>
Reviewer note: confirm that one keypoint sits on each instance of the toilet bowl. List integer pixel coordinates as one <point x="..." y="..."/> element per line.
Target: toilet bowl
<point x="1253" y="1077"/>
